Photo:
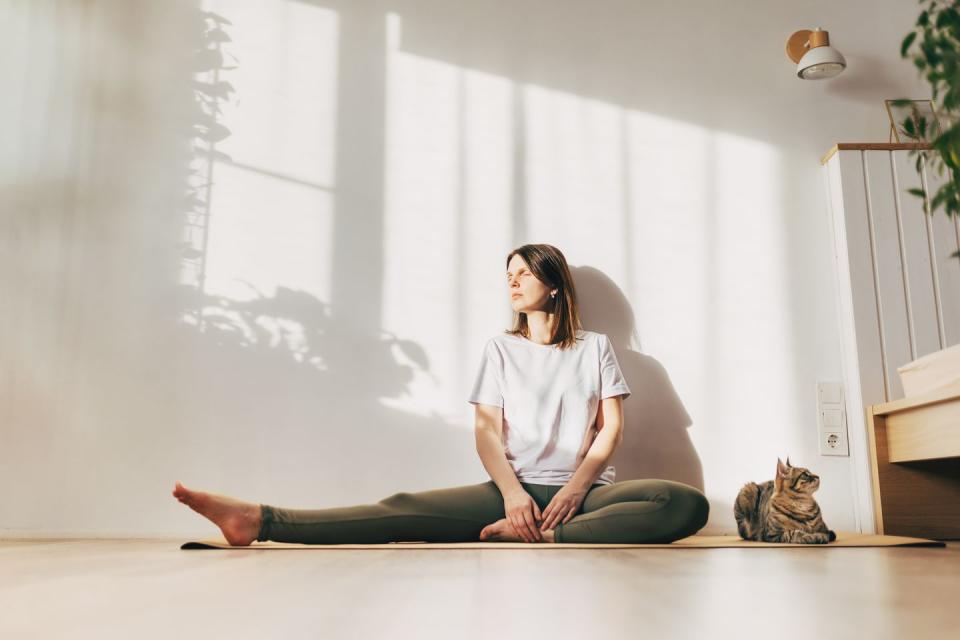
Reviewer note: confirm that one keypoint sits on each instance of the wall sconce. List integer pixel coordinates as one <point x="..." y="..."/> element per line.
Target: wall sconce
<point x="814" y="56"/>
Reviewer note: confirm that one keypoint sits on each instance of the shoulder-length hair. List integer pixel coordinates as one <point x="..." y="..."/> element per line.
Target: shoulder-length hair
<point x="549" y="266"/>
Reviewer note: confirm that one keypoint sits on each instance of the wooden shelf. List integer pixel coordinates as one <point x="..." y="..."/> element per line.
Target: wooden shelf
<point x="926" y="427"/>
<point x="915" y="462"/>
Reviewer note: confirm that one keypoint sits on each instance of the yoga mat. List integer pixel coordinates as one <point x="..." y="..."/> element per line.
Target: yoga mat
<point x="844" y="539"/>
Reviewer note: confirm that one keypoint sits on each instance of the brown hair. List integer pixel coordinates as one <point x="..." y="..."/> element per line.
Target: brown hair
<point x="550" y="267"/>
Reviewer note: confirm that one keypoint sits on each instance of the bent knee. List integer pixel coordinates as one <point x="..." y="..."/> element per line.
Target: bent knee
<point x="691" y="506"/>
<point x="701" y="510"/>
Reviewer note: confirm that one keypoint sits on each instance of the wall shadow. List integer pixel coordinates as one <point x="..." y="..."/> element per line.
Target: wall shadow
<point x="288" y="387"/>
<point x="656" y="443"/>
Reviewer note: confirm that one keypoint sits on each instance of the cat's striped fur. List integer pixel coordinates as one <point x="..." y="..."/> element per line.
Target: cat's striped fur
<point x="783" y="509"/>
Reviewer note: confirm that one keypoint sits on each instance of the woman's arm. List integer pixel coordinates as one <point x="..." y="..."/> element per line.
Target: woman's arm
<point x="489" y="435"/>
<point x="610" y="426"/>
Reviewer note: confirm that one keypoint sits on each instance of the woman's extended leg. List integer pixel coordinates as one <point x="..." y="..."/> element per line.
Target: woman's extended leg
<point x="454" y="514"/>
<point x="637" y="511"/>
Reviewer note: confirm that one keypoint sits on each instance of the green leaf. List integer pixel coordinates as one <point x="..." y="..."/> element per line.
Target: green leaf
<point x="917" y="192"/>
<point x="906" y="43"/>
<point x="938" y="199"/>
<point x="941" y="20"/>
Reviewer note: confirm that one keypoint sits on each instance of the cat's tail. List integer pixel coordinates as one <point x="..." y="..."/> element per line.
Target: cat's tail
<point x="745" y="510"/>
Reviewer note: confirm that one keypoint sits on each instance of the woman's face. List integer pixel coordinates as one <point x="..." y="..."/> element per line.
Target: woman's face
<point x="525" y="291"/>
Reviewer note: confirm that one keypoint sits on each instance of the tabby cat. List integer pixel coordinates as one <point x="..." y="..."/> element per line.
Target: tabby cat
<point x="783" y="509"/>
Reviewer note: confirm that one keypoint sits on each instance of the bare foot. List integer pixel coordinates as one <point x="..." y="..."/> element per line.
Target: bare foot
<point x="503" y="531"/>
<point x="238" y="520"/>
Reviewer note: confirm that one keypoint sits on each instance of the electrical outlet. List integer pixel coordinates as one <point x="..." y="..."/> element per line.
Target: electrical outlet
<point x="831" y="419"/>
<point x="833" y="443"/>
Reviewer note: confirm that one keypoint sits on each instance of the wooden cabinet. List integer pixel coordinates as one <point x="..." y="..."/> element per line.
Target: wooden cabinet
<point x="915" y="464"/>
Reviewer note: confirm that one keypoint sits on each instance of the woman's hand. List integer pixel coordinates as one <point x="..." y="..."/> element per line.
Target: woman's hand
<point x="563" y="506"/>
<point x="523" y="513"/>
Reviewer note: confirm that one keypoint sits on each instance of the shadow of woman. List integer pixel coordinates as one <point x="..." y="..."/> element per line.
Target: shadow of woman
<point x="656" y="443"/>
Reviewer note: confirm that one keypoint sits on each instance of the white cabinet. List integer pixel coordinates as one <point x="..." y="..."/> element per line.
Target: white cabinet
<point x="898" y="289"/>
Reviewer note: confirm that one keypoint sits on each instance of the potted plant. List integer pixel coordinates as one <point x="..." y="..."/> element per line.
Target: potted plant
<point x="934" y="47"/>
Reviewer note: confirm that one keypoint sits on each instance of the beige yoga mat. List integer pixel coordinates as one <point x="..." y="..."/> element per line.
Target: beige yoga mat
<point x="844" y="539"/>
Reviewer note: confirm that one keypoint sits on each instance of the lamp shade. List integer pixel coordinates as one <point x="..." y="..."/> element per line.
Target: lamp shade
<point x="821" y="62"/>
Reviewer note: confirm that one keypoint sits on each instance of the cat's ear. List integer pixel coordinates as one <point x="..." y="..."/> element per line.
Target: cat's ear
<point x="781" y="469"/>
<point x="788" y="462"/>
<point x="778" y="479"/>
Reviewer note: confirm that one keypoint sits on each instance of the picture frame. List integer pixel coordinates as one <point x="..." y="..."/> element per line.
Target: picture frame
<point x="913" y="120"/>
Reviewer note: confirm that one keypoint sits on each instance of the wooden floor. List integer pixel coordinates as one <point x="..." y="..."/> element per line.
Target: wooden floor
<point x="152" y="589"/>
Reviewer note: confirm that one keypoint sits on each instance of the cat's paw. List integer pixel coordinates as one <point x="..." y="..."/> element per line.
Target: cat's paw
<point x="832" y="535"/>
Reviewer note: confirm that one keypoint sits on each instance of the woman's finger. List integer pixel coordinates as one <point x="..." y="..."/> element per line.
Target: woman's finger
<point x="545" y="518"/>
<point x="548" y="510"/>
<point x="521" y="528"/>
<point x="563" y="515"/>
<point x="513" y="523"/>
<point x="573" y="511"/>
<point x="531" y="526"/>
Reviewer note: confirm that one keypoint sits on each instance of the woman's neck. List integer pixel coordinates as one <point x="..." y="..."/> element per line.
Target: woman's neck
<point x="540" y="325"/>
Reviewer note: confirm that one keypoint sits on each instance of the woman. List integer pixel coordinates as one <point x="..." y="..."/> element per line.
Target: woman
<point x="549" y="414"/>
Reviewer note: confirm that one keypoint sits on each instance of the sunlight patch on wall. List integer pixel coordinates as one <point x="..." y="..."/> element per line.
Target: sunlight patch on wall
<point x="575" y="183"/>
<point x="266" y="233"/>
<point x="272" y="198"/>
<point x="751" y="328"/>
<point x="488" y="175"/>
<point x="286" y="79"/>
<point x="669" y="176"/>
<point x="710" y="293"/>
<point x="446" y="205"/>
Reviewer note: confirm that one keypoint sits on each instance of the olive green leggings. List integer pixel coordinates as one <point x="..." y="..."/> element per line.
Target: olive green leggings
<point x="632" y="511"/>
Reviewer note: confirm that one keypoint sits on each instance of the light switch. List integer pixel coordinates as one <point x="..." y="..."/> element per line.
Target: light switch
<point x="830" y="393"/>
<point x="832" y="418"/>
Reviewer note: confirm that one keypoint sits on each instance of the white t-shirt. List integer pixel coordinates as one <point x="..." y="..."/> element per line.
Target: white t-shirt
<point x="550" y="399"/>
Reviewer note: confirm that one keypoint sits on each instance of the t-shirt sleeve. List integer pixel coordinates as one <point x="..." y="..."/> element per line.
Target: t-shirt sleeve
<point x="487" y="385"/>
<point x="612" y="382"/>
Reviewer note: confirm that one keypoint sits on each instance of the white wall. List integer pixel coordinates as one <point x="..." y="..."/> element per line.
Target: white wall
<point x="369" y="168"/>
